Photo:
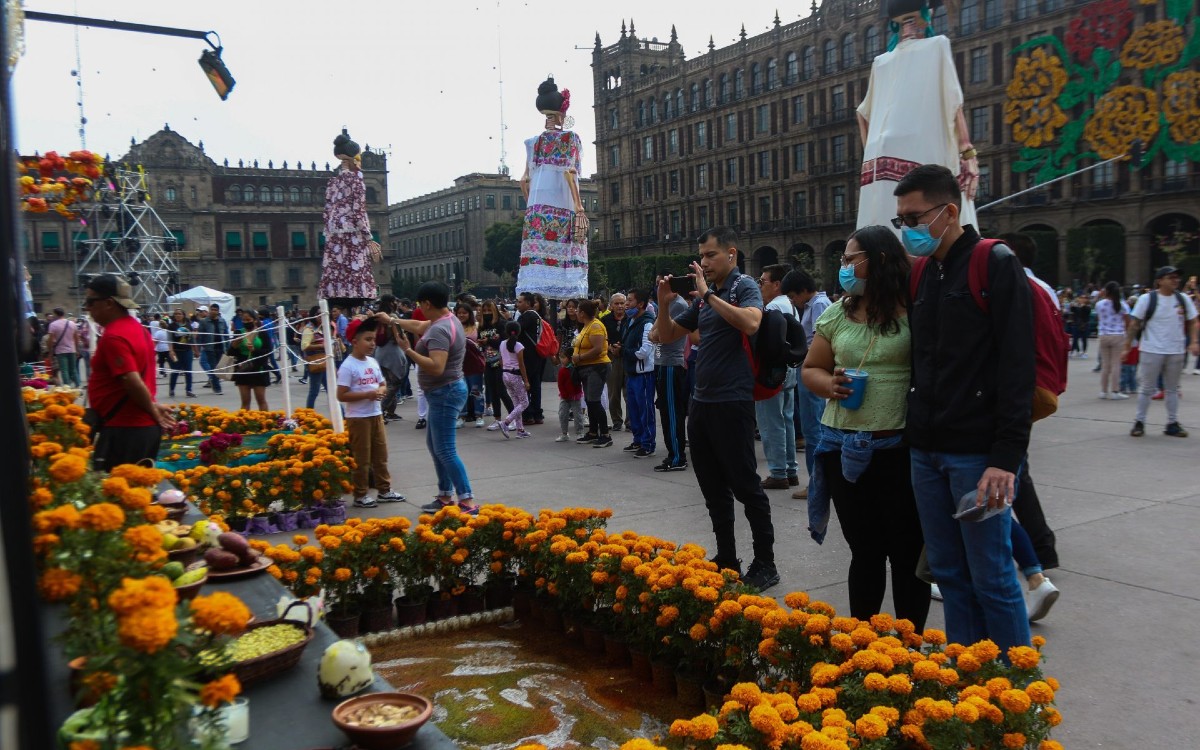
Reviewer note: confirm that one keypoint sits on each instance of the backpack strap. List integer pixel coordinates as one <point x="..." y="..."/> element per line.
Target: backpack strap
<point x="914" y="277"/>
<point x="1151" y="306"/>
<point x="977" y="272"/>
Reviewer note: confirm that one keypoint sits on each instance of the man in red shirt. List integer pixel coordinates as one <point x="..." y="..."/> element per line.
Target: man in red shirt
<point x="121" y="385"/>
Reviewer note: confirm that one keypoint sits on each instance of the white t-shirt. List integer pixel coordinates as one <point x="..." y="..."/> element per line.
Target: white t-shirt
<point x="508" y="360"/>
<point x="1164" y="334"/>
<point x="361" y="375"/>
<point x="161" y="336"/>
<point x="1111" y="321"/>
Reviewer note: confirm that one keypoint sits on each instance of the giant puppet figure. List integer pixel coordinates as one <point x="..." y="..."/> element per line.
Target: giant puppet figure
<point x="554" y="256"/>
<point x="347" y="276"/>
<point x="911" y="115"/>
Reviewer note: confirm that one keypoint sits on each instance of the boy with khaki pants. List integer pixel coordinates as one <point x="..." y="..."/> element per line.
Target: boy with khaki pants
<point x="361" y="386"/>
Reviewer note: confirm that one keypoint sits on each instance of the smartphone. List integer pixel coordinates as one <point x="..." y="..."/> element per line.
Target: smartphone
<point x="682" y="284"/>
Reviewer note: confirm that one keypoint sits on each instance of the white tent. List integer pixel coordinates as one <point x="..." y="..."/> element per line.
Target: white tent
<point x="202" y="295"/>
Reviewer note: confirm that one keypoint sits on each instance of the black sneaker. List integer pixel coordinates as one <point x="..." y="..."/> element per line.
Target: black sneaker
<point x="734" y="565"/>
<point x="1175" y="430"/>
<point x="761" y="576"/>
<point x="421" y="424"/>
<point x="643" y="453"/>
<point x="587" y="438"/>
<point x="632" y="447"/>
<point x="616" y="426"/>
<point x="664" y="466"/>
<point x="604" y="441"/>
<point x="1138" y="430"/>
<point x="678" y="467"/>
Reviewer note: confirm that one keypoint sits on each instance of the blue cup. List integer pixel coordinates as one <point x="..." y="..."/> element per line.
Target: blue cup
<point x="857" y="386"/>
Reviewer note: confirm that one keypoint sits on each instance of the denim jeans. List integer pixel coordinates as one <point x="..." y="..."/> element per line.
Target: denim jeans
<point x="777" y="429"/>
<point x="475" y="407"/>
<point x="68" y="368"/>
<point x="208" y="361"/>
<point x="316" y="381"/>
<point x="811" y="408"/>
<point x="182" y="366"/>
<point x="440" y="438"/>
<point x="639" y="402"/>
<point x="971" y="561"/>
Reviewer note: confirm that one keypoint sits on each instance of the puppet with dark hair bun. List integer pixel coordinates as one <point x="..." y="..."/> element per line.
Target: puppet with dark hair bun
<point x="347" y="275"/>
<point x="912" y="114"/>
<point x="554" y="255"/>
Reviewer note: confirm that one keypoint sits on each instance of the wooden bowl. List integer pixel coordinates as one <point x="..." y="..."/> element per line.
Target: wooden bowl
<point x="382" y="738"/>
<point x="188" y="592"/>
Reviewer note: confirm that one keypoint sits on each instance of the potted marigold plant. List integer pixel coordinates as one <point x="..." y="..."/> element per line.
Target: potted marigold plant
<point x="407" y="567"/>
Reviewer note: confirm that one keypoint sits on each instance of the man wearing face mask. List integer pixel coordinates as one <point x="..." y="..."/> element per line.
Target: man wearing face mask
<point x="969" y="407"/>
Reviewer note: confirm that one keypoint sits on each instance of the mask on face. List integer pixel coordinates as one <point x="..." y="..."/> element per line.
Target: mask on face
<point x="918" y="241"/>
<point x="851" y="283"/>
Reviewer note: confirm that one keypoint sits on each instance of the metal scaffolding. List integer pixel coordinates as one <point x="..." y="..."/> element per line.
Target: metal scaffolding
<point x="124" y="236"/>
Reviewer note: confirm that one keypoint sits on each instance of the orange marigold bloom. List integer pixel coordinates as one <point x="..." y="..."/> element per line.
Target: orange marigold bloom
<point x="220" y="613"/>
<point x="1039" y="692"/>
<point x="148" y="630"/>
<point x="704" y="727"/>
<point x="934" y="637"/>
<point x="967" y="662"/>
<point x="84" y="745"/>
<point x="57" y="584"/>
<point x="870" y="727"/>
<point x="68" y="468"/>
<point x="41" y="497"/>
<point x="985" y="650"/>
<point x="342" y="574"/>
<point x="102" y="517"/>
<point x="43" y="543"/>
<point x="1024" y="657"/>
<point x="144" y="538"/>
<point x="899" y="684"/>
<point x="219" y="691"/>
<point x="138" y="594"/>
<point x="875" y="681"/>
<point x="1014" y="740"/>
<point x="1016" y="701"/>
<point x="156" y="513"/>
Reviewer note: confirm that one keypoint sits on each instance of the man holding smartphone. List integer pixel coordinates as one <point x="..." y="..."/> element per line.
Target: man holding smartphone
<point x="614" y="325"/>
<point x="720" y="425"/>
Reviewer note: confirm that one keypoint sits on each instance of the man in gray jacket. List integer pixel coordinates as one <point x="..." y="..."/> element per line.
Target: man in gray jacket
<point x="212" y="335"/>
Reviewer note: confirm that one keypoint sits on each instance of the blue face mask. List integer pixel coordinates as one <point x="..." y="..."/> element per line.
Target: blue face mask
<point x="851" y="283"/>
<point x="918" y="241"/>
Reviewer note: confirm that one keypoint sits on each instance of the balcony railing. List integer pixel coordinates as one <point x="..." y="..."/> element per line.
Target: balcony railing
<point x="836" y="117"/>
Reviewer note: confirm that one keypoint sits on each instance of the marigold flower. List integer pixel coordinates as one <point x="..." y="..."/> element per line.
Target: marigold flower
<point x="84" y="745"/>
<point x="156" y="513"/>
<point x="641" y="744"/>
<point x="808" y="703"/>
<point x="966" y="712"/>
<point x="1052" y="716"/>
<point x="68" y="468"/>
<point x="985" y="650"/>
<point x="1039" y="641"/>
<point x="144" y="538"/>
<point x="1039" y="692"/>
<point x="765" y="719"/>
<point x="874" y="681"/>
<point x="148" y="630"/>
<point x="870" y="727"/>
<point x="887" y="713"/>
<point x="1024" y="657"/>
<point x="967" y="662"/>
<point x="341" y="575"/>
<point x="925" y="670"/>
<point x="1016" y="701"/>
<point x="899" y="684"/>
<point x="939" y="710"/>
<point x="912" y="733"/>
<point x="704" y="727"/>
<point x="57" y="584"/>
<point x="136" y="594"/>
<point x="1014" y="740"/>
<point x="934" y="637"/>
<point x="220" y="613"/>
<point x="219" y="691"/>
<point x="102" y="517"/>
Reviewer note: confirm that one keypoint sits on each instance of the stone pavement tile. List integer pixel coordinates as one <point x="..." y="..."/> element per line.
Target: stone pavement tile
<point x="1153" y="547"/>
<point x="1146" y="468"/>
<point x="1066" y="507"/>
<point x="1193" y="501"/>
<point x="1125" y="658"/>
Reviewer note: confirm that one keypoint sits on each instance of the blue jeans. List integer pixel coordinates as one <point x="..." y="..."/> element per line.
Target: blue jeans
<point x="316" y="381"/>
<point x="444" y="405"/>
<point x="208" y="361"/>
<point x="475" y="407"/>
<point x="182" y="366"/>
<point x="777" y="428"/>
<point x="639" y="402"/>
<point x="972" y="562"/>
<point x="810" y="409"/>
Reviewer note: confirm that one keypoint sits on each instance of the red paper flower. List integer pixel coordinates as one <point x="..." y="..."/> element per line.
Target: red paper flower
<point x="551" y="235"/>
<point x="1105" y="23"/>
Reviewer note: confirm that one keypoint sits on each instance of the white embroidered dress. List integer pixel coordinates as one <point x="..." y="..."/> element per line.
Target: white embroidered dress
<point x="554" y="261"/>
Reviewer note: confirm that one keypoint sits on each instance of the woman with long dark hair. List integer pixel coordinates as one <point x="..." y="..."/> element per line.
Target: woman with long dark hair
<point x="474" y="412"/>
<point x="862" y="461"/>
<point x="250" y="353"/>
<point x="1112" y="314"/>
<point x="491" y="333"/>
<point x="591" y="361"/>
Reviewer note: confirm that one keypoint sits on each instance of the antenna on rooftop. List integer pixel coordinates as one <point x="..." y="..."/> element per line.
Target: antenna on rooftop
<point x="500" y="79"/>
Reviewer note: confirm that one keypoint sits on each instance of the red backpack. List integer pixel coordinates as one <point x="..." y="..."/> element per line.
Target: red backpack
<point x="1050" y="342"/>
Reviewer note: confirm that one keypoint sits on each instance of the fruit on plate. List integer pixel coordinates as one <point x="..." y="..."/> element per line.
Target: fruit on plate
<point x="172" y="570"/>
<point x="171" y="497"/>
<point x="236" y="544"/>
<point x="192" y="576"/>
<point x="219" y="559"/>
<point x="169" y="541"/>
<point x="263" y="641"/>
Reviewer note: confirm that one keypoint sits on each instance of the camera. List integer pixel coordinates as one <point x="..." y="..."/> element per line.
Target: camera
<point x="682" y="284"/>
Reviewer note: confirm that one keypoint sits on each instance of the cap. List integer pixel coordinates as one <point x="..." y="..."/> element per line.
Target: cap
<point x="1165" y="271"/>
<point x="114" y="288"/>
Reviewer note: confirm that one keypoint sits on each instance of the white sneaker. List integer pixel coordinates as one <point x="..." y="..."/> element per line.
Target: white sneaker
<point x="1103" y="395"/>
<point x="1117" y="396"/>
<point x="935" y="592"/>
<point x="1196" y="371"/>
<point x="1041" y="600"/>
<point x="562" y="438"/>
<point x="459" y="423"/>
<point x="479" y="422"/>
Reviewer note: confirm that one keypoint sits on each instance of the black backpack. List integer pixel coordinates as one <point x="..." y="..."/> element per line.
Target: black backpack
<point x="780" y="344"/>
<point x="1152" y="305"/>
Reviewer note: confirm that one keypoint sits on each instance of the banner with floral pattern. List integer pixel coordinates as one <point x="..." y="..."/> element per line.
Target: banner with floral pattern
<point x="1106" y="84"/>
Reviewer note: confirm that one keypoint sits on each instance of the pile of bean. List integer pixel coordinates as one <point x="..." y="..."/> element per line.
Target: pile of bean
<point x="263" y="641"/>
<point x="382" y="715"/>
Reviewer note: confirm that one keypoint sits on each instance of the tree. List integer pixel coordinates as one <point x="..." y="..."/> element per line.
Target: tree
<point x="503" y="241"/>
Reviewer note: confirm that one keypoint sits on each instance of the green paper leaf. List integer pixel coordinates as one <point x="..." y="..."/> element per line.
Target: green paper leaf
<point x="1178" y="11"/>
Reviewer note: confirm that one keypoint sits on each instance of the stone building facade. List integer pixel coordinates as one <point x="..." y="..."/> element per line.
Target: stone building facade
<point x="439" y="235"/>
<point x="762" y="135"/>
<point x="253" y="231"/>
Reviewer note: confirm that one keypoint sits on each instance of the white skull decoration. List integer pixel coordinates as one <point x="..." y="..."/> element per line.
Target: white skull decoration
<point x="345" y="669"/>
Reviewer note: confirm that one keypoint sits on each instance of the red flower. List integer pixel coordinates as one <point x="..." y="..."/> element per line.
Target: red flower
<point x="1105" y="23"/>
<point x="566" y="138"/>
<point x="524" y="261"/>
<point x="551" y="261"/>
<point x="551" y="235"/>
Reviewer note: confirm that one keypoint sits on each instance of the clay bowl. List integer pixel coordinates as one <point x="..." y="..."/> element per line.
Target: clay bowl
<point x="185" y="556"/>
<point x="188" y="592"/>
<point x="382" y="738"/>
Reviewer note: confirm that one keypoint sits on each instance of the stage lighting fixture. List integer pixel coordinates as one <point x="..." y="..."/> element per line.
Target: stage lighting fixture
<point x="132" y="244"/>
<point x="170" y="244"/>
<point x="81" y="247"/>
<point x="110" y="244"/>
<point x="218" y="75"/>
<point x="134" y="278"/>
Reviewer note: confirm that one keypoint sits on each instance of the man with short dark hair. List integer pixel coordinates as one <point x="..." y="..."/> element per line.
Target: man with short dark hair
<point x="969" y="408"/>
<point x="213" y="338"/>
<point x="614" y="325"/>
<point x="1168" y="330"/>
<point x="535" y="364"/>
<point x="775" y="415"/>
<point x="61" y="344"/>
<point x="637" y="358"/>
<point x="802" y="291"/>
<point x="121" y="386"/>
<point x="721" y="423"/>
<point x="671" y="388"/>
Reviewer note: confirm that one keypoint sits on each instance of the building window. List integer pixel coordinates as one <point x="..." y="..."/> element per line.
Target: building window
<point x="489" y="200"/>
<point x="233" y="194"/>
<point x="673" y="178"/>
<point x="837" y="97"/>
<point x="756" y="78"/>
<point x="262" y="278"/>
<point x="676" y="226"/>
<point x="993" y="13"/>
<point x="702" y="218"/>
<point x="668" y="107"/>
<point x="1175" y="171"/>
<point x="800" y="157"/>
<point x="648" y="148"/>
<point x="277" y="194"/>
<point x="614" y="119"/>
<point x="739" y="83"/>
<point x="871" y="43"/>
<point x="763" y="118"/>
<point x="1026" y="9"/>
<point x="299" y="240"/>
<point x="616" y="229"/>
<point x="979" y="65"/>
<point x="264" y="194"/>
<point x="233" y="241"/>
<point x="730" y="127"/>
<point x="808" y="63"/>
<point x="792" y="68"/>
<point x="679" y="101"/>
<point x="725" y="91"/>
<point x="647" y="188"/>
<point x="641" y="114"/>
<point x="985" y="184"/>
<point x="235" y="278"/>
<point x="294" y="277"/>
<point x="968" y="17"/>
<point x="772" y="74"/>
<point x="800" y="205"/>
<point x="764" y="209"/>
<point x="980" y="122"/>
<point x="839" y="202"/>
<point x="940" y="22"/>
<point x="731" y="171"/>
<point x="702" y="135"/>
<point x="306" y="195"/>
<point x="614" y="191"/>
<point x="260" y="241"/>
<point x="837" y="146"/>
<point x="648" y="225"/>
<point x="1105" y="175"/>
<point x="180" y="238"/>
<point x="372" y="195"/>
<point x="653" y="111"/>
<point x="695" y="92"/>
<point x="848" y="51"/>
<point x="764" y="165"/>
<point x="506" y="202"/>
<point x="673" y="141"/>
<point x="829" y="57"/>
<point x="731" y="214"/>
<point x="708" y="92"/>
<point x="702" y="176"/>
<point x="50" y="241"/>
<point x="294" y="194"/>
<point x="798" y="110"/>
<point x="614" y="156"/>
<point x="170" y="194"/>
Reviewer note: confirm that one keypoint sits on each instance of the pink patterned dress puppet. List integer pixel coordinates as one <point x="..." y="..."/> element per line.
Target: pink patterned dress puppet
<point x="554" y="255"/>
<point x="346" y="269"/>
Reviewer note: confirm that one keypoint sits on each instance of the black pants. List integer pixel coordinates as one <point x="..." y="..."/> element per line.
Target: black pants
<point x="493" y="386"/>
<point x="125" y="445"/>
<point x="393" y="391"/>
<point x="670" y="383"/>
<point x="721" y="439"/>
<point x="164" y="361"/>
<point x="1029" y="512"/>
<point x="535" y="368"/>
<point x="878" y="516"/>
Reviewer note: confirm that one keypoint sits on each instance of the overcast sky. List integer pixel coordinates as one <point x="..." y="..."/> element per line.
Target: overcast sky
<point x="416" y="78"/>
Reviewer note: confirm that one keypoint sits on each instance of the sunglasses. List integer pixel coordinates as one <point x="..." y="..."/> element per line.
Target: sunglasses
<point x="911" y="220"/>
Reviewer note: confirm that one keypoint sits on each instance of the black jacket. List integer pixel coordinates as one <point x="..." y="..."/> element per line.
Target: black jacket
<point x="972" y="373"/>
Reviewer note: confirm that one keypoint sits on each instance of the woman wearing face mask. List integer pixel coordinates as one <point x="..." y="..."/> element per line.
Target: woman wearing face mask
<point x="862" y="462"/>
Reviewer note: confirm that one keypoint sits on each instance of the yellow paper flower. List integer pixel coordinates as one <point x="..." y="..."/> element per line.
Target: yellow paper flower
<point x="1123" y="115"/>
<point x="1157" y="43"/>
<point x="1032" y="109"/>
<point x="1181" y="105"/>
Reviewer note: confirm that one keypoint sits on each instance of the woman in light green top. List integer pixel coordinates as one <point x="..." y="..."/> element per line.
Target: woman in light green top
<point x="862" y="460"/>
